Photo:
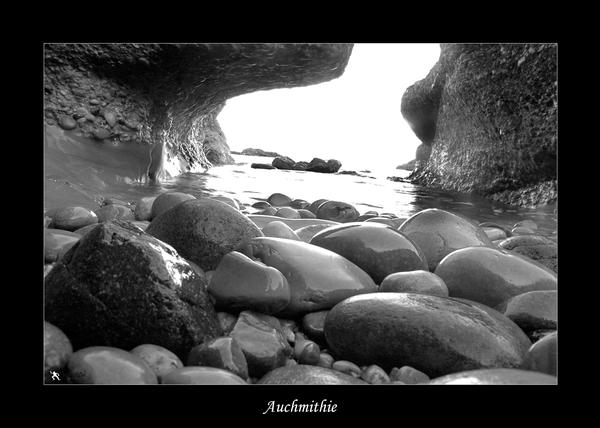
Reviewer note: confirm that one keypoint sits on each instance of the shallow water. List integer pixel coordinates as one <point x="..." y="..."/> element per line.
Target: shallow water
<point x="81" y="172"/>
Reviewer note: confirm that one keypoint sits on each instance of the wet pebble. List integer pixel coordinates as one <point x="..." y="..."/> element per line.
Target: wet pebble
<point x="241" y="283"/>
<point x="159" y="359"/>
<point x="57" y="350"/>
<point x="301" y="374"/>
<point x="491" y="276"/>
<point x="305" y="213"/>
<point x="325" y="360"/>
<point x="313" y="325"/>
<point x="72" y="218"/>
<point x="114" y="212"/>
<point x="299" y="204"/>
<point x="539" y="248"/>
<point x="202" y="376"/>
<point x="341" y="212"/>
<point x="377" y="250"/>
<point x="408" y="375"/>
<point x="494" y="233"/>
<point x="347" y="367"/>
<point x="438" y="233"/>
<point x="416" y="281"/>
<point x="307" y="232"/>
<point x="67" y="122"/>
<point x="499" y="376"/>
<point x="375" y="375"/>
<point x="261" y="205"/>
<point x="57" y="242"/>
<point x="166" y="201"/>
<point x="310" y="353"/>
<point x="278" y="229"/>
<point x="287" y="212"/>
<point x="143" y="208"/>
<point x="221" y="352"/>
<point x="226" y="321"/>
<point x="279" y="200"/>
<point x="541" y="357"/>
<point x="534" y="310"/>
<point x="108" y="365"/>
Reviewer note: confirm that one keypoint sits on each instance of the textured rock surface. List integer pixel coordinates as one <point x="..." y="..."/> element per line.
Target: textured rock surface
<point x="435" y="335"/>
<point x="536" y="247"/>
<point x="489" y="114"/>
<point x="121" y="287"/>
<point x="169" y="95"/>
<point x="301" y="374"/>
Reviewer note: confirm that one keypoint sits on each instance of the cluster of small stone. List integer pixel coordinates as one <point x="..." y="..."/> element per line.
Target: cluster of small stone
<point x="179" y="290"/>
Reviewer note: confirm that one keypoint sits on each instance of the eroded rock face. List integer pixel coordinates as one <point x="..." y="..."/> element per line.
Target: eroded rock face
<point x="169" y="95"/>
<point x="121" y="287"/>
<point x="489" y="114"/>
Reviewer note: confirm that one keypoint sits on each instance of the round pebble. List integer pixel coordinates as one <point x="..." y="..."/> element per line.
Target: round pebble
<point x="71" y="218"/>
<point x="416" y="281"/>
<point x="159" y="359"/>
<point x="347" y="367"/>
<point x="279" y="200"/>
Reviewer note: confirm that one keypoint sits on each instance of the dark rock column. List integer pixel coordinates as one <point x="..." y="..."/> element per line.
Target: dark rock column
<point x="489" y="113"/>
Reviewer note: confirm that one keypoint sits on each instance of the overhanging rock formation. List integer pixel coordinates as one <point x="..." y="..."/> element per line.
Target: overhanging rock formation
<point x="169" y="95"/>
<point x="488" y="114"/>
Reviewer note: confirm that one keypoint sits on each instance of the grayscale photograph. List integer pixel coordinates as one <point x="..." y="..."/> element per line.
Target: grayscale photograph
<point x="300" y="214"/>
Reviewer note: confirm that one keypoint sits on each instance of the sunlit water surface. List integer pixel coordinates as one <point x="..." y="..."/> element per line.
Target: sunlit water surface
<point x="83" y="172"/>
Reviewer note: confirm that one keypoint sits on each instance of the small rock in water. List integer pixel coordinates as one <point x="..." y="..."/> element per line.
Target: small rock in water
<point x="306" y="213"/>
<point x="66" y="122"/>
<point x="202" y="376"/>
<point x="347" y="367"/>
<point x="299" y="204"/>
<point x="283" y="162"/>
<point x="110" y="116"/>
<point x="279" y="200"/>
<point x="114" y="212"/>
<point x="101" y="134"/>
<point x="166" y="201"/>
<point x="109" y="365"/>
<point x="143" y="208"/>
<point x="310" y="354"/>
<point x="315" y="205"/>
<point x="159" y="359"/>
<point x="539" y="248"/>
<point x="287" y="212"/>
<point x="72" y="218"/>
<point x="408" y="375"/>
<point x="494" y="233"/>
<point x="522" y="231"/>
<point x="278" y="229"/>
<point x="416" y="281"/>
<point x="337" y="211"/>
<point x="375" y="375"/>
<point x="261" y="205"/>
<point x="269" y="211"/>
<point x="221" y="352"/>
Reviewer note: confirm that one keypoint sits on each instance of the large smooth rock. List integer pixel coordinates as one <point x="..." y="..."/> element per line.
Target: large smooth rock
<point x="416" y="281"/>
<point x="263" y="345"/>
<point x="341" y="212"/>
<point x="301" y="374"/>
<point x="433" y="334"/>
<point x="57" y="242"/>
<point x="306" y="233"/>
<point x="240" y="283"/>
<point x="121" y="287"/>
<point x="223" y="353"/>
<point x="318" y="278"/>
<point x="438" y="233"/>
<point x="294" y="223"/>
<point x="313" y="325"/>
<point x="71" y="218"/>
<point x="534" y="310"/>
<point x="202" y="376"/>
<point x="203" y="230"/>
<point x="500" y="376"/>
<point x="159" y="359"/>
<point x="491" y="276"/>
<point x="143" y="208"/>
<point x="541" y="357"/>
<point x="57" y="350"/>
<point x="536" y="247"/>
<point x="109" y="366"/>
<point x="379" y="251"/>
<point x="166" y="201"/>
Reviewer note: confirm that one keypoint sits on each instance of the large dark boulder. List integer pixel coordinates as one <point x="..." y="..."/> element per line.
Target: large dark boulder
<point x="169" y="95"/>
<point x="121" y="287"/>
<point x="489" y="114"/>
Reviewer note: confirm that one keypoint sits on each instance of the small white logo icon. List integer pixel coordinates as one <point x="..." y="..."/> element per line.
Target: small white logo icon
<point x="55" y="375"/>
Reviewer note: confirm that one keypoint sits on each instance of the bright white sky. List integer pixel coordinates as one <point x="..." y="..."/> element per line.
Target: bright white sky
<point x="355" y="118"/>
